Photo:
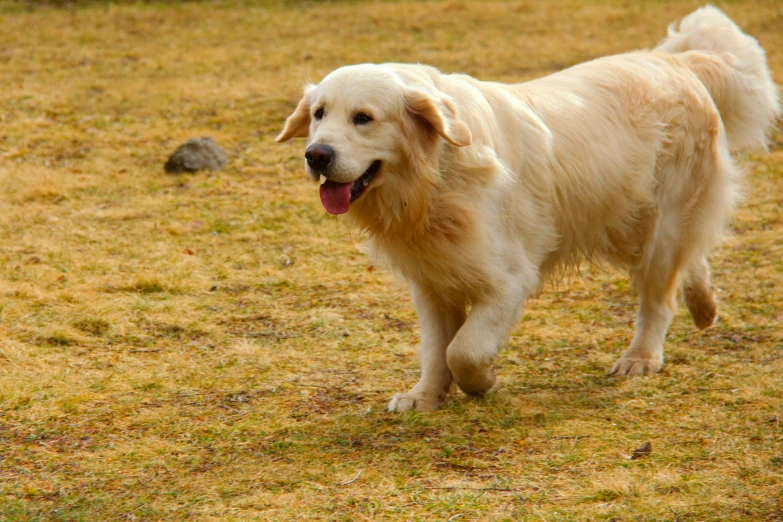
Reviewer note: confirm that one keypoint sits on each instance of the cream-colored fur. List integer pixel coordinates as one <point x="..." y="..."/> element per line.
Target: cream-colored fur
<point x="486" y="189"/>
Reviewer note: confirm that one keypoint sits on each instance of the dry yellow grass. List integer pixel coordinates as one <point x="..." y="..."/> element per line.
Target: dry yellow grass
<point x="215" y="347"/>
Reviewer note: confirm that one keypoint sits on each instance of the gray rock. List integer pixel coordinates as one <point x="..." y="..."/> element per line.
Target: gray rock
<point x="197" y="154"/>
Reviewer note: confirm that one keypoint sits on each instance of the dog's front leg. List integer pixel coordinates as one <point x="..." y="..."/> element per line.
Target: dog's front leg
<point x="471" y="354"/>
<point x="439" y="322"/>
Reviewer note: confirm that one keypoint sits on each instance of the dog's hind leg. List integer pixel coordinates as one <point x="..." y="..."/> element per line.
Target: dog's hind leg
<point x="439" y="323"/>
<point x="714" y="209"/>
<point x="698" y="294"/>
<point x="697" y="193"/>
<point x="657" y="285"/>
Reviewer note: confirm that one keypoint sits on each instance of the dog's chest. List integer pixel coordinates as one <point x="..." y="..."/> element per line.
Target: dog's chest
<point x="452" y="268"/>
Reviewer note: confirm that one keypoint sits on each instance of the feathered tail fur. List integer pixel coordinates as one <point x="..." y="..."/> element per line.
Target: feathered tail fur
<point x="733" y="67"/>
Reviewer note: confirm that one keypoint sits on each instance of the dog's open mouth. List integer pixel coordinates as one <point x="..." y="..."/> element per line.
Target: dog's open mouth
<point x="337" y="197"/>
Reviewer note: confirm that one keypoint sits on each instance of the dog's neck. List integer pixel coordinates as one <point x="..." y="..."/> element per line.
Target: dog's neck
<point x="428" y="231"/>
<point x="426" y="212"/>
<point x="407" y="210"/>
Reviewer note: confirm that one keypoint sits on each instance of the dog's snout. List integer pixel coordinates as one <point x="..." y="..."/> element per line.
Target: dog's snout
<point x="319" y="157"/>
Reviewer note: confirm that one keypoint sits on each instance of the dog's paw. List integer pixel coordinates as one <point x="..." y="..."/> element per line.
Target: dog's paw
<point x="629" y="366"/>
<point x="473" y="377"/>
<point x="476" y="381"/>
<point x="478" y="384"/>
<point x="409" y="402"/>
<point x="702" y="306"/>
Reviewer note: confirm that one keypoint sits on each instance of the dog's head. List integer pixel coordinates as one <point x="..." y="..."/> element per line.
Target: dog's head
<point x="369" y="127"/>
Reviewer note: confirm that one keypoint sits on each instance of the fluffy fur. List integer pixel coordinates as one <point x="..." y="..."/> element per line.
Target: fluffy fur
<point x="485" y="189"/>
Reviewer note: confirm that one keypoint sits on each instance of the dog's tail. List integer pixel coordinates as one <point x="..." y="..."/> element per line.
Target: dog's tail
<point x="733" y="67"/>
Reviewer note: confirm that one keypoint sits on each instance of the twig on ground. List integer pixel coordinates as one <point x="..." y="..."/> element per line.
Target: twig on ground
<point x="9" y="358"/>
<point x="314" y="386"/>
<point x="472" y="489"/>
<point x="353" y="479"/>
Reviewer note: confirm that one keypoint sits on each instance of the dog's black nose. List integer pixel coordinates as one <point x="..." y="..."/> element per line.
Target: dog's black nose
<point x="319" y="157"/>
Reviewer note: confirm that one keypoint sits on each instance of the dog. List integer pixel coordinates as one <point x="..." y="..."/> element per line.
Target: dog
<point x="477" y="192"/>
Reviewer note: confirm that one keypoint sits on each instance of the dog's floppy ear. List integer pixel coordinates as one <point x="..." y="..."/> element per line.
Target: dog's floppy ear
<point x="298" y="124"/>
<point x="441" y="114"/>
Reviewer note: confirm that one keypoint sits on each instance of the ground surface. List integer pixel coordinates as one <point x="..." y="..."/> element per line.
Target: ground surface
<point x="217" y="347"/>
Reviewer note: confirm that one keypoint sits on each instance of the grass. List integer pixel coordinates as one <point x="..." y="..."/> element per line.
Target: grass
<point x="216" y="347"/>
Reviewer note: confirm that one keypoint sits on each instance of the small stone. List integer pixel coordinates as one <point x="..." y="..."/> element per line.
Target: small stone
<point x="197" y="154"/>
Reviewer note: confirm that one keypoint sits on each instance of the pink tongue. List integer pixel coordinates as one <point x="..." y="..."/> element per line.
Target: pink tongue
<point x="336" y="197"/>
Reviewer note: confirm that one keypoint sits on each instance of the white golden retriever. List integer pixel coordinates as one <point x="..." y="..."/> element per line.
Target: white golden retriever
<point x="476" y="191"/>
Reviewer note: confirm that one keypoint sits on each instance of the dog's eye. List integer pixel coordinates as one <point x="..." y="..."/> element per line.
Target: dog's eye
<point x="362" y="119"/>
<point x="319" y="114"/>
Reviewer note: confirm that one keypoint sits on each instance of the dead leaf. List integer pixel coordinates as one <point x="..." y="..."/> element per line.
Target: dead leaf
<point x="642" y="451"/>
